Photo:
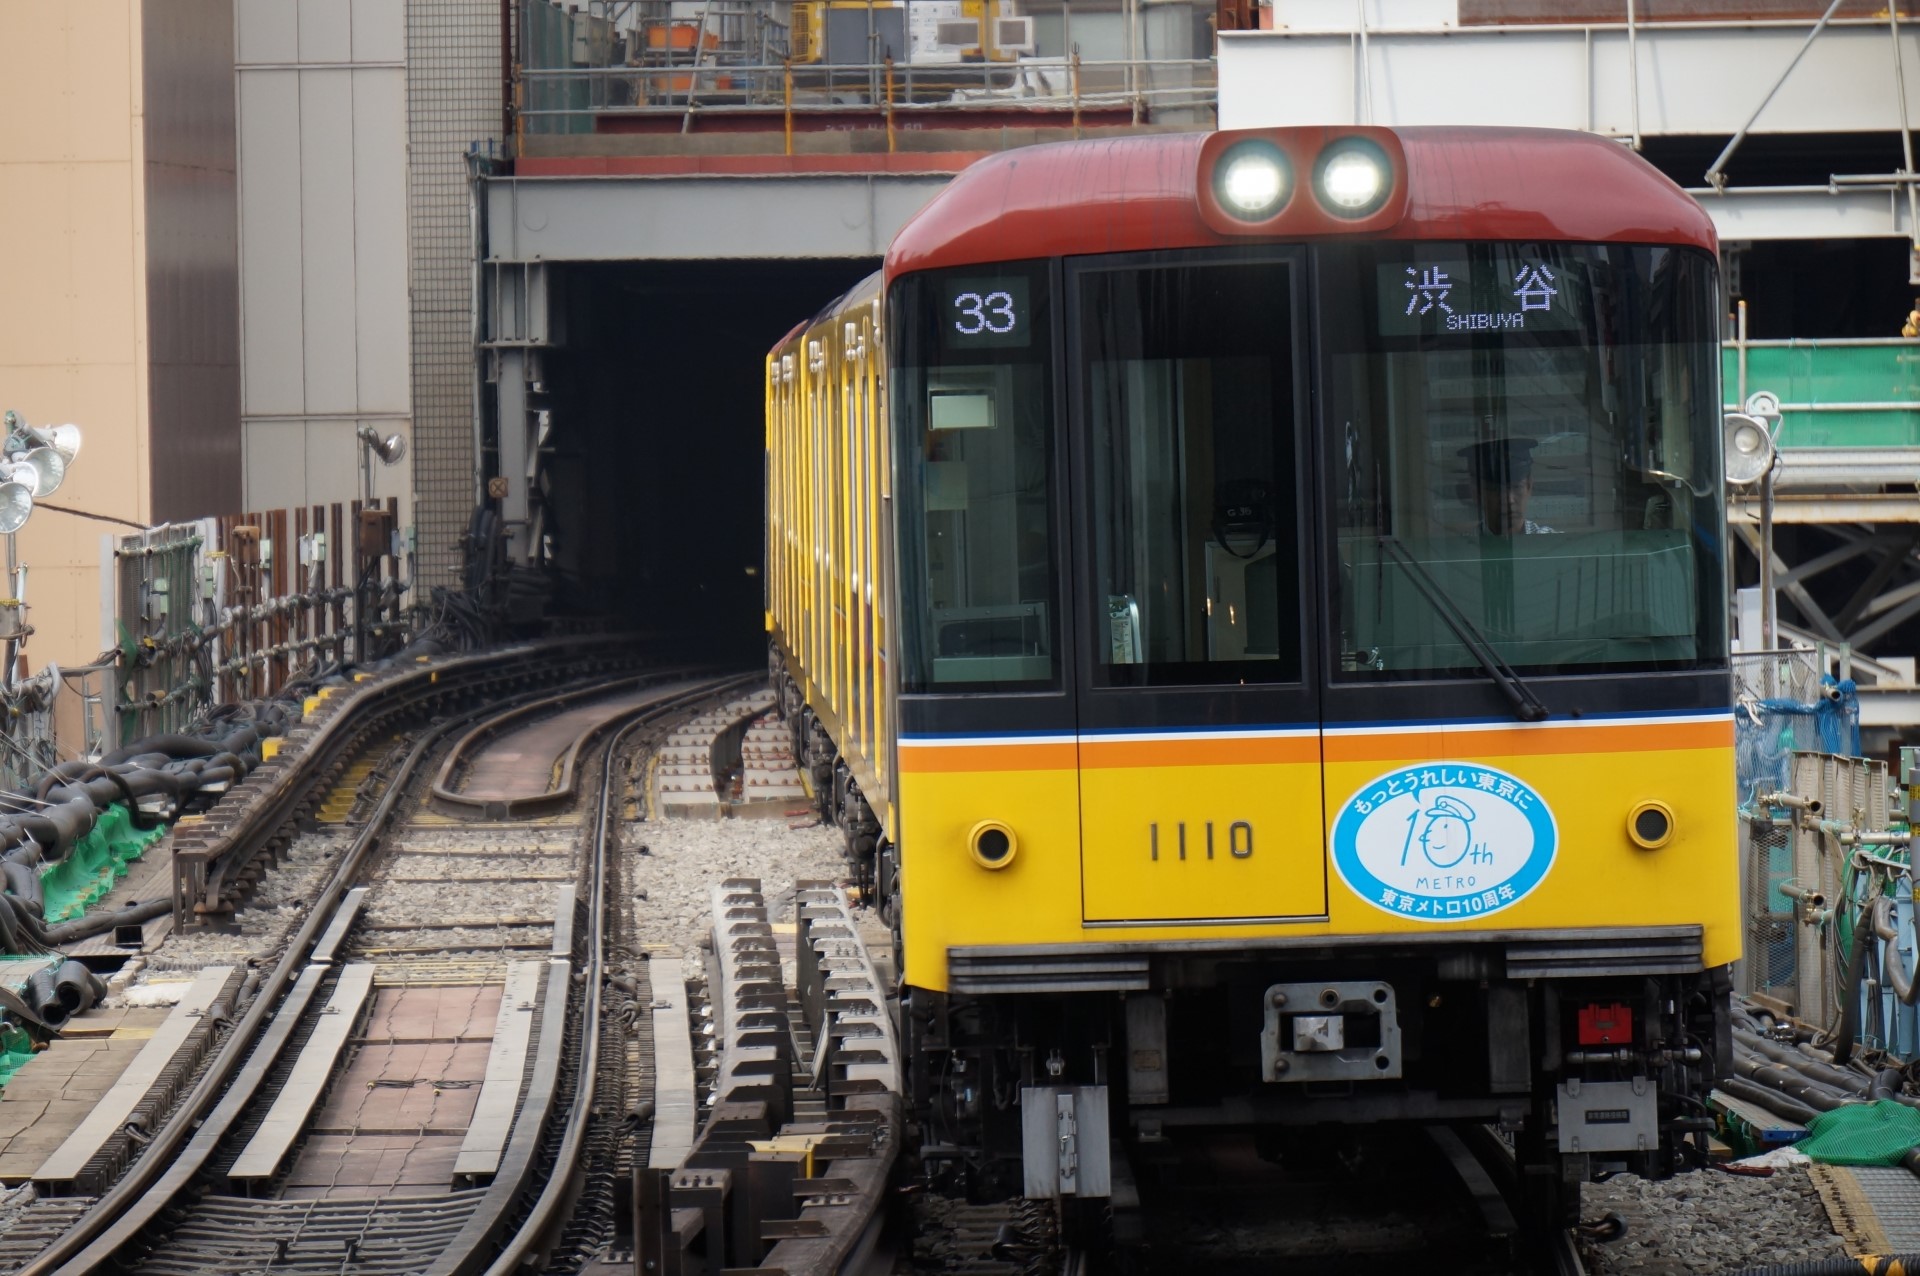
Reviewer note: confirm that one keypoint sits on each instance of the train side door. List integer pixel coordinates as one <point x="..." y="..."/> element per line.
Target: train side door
<point x="1198" y="716"/>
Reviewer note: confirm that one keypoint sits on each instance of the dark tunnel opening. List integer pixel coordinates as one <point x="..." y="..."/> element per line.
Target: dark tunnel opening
<point x="658" y="442"/>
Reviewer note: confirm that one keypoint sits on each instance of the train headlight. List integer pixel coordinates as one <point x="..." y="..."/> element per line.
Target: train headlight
<point x="992" y="844"/>
<point x="1253" y="180"/>
<point x="1353" y="177"/>
<point x="1650" y="825"/>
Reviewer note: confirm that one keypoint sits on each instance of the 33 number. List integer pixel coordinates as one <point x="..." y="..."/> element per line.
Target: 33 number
<point x="981" y="314"/>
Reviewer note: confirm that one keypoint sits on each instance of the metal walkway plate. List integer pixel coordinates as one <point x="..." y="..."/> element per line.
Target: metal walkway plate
<point x="289" y="1113"/>
<point x="676" y="1107"/>
<point x="1874" y="1208"/>
<point x="111" y="1113"/>
<point x="506" y="1068"/>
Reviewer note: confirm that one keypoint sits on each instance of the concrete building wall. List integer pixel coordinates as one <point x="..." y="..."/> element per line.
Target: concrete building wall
<point x="453" y="102"/>
<point x="193" y="355"/>
<point x="73" y="288"/>
<point x="323" y="232"/>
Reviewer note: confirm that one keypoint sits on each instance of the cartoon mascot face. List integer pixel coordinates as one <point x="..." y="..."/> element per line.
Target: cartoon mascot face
<point x="1448" y="835"/>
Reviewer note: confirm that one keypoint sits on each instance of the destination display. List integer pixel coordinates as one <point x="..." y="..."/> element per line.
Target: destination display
<point x="1491" y="290"/>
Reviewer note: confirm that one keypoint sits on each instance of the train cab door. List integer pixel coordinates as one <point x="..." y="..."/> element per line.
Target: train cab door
<point x="1198" y="721"/>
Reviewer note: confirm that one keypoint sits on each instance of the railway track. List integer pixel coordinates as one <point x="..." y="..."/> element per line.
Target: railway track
<point x="184" y="1204"/>
<point x="782" y="1155"/>
<point x="1222" y="1203"/>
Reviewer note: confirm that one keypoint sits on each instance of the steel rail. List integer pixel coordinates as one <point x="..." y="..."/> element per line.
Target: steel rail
<point x="1558" y="1247"/>
<point x="446" y="796"/>
<point x="180" y="1149"/>
<point x="278" y="798"/>
<point x="522" y="1155"/>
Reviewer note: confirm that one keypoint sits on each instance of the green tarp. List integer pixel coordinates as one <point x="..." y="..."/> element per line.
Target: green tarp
<point x="96" y="862"/>
<point x="1878" y="1133"/>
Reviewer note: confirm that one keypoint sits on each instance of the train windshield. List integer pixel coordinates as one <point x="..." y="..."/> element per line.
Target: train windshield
<point x="1522" y="454"/>
<point x="973" y="413"/>
<point x="1192" y="498"/>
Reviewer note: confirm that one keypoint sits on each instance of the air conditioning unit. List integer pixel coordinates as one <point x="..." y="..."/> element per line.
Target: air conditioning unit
<point x="958" y="34"/>
<point x="1013" y="35"/>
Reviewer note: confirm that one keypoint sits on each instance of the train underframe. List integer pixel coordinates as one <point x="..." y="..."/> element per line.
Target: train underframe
<point x="1031" y="1093"/>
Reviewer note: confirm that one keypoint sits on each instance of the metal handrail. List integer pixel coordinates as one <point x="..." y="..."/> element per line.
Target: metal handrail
<point x="684" y="81"/>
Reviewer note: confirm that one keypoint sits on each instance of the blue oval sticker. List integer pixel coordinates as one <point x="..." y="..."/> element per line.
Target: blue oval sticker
<point x="1444" y="841"/>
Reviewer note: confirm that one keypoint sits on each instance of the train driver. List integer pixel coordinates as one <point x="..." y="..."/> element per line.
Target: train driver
<point x="1502" y="472"/>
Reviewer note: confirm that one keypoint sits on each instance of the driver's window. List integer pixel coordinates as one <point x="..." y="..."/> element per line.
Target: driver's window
<point x="1188" y="376"/>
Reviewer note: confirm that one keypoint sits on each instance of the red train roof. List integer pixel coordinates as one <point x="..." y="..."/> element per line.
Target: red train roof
<point x="1134" y="193"/>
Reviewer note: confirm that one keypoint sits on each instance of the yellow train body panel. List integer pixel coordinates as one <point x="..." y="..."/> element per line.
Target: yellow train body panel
<point x="827" y="462"/>
<point x="1114" y="842"/>
<point x="1076" y="877"/>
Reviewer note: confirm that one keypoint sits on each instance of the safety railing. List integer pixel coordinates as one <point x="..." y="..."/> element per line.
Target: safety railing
<point x="1856" y="392"/>
<point x="236" y="607"/>
<point x="1076" y="91"/>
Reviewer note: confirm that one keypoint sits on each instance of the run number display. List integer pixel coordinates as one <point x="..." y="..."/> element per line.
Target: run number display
<point x="987" y="312"/>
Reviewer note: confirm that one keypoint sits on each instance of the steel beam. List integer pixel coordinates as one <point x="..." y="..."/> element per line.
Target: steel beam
<point x="701" y="217"/>
<point x="1875" y="507"/>
<point x="1814" y="614"/>
<point x="1806" y="212"/>
<point x="1693" y="77"/>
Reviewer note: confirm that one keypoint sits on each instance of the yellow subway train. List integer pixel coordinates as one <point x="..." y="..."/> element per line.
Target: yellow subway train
<point x="1256" y="604"/>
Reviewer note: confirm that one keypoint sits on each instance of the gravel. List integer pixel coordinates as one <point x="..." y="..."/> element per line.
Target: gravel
<point x="274" y="911"/>
<point x="685" y="859"/>
<point x="1711" y="1222"/>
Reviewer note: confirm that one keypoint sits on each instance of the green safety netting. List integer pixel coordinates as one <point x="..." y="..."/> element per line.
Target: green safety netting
<point x="1877" y="1133"/>
<point x="96" y="862"/>
<point x="16" y="1047"/>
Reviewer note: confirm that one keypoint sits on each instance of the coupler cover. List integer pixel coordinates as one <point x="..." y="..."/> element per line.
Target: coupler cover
<point x="1346" y="1031"/>
<point x="1063" y="1145"/>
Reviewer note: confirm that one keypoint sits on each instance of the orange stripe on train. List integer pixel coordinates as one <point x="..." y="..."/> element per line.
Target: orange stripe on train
<point x="1481" y="742"/>
<point x="987" y="757"/>
<point x="1452" y="742"/>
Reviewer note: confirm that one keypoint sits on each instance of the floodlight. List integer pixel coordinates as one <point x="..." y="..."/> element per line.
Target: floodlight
<point x="389" y="449"/>
<point x="64" y="439"/>
<point x="40" y="468"/>
<point x="16" y="502"/>
<point x="1748" y="446"/>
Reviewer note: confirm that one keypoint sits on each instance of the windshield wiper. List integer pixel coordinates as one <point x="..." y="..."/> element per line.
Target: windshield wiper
<point x="1526" y="706"/>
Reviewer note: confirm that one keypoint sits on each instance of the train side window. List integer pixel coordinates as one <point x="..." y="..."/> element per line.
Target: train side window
<point x="973" y="423"/>
<point x="1187" y="382"/>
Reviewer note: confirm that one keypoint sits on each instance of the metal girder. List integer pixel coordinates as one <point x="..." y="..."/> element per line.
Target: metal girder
<point x="1806" y="212"/>
<point x="1898" y="555"/>
<point x="1851" y="549"/>
<point x="701" y="218"/>
<point x="1802" y="467"/>
<point x="1795" y="591"/>
<point x="1892" y="707"/>
<point x="1687" y="78"/>
<point x="1873" y="507"/>
<point x="1885" y="623"/>
<point x="1872" y="610"/>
